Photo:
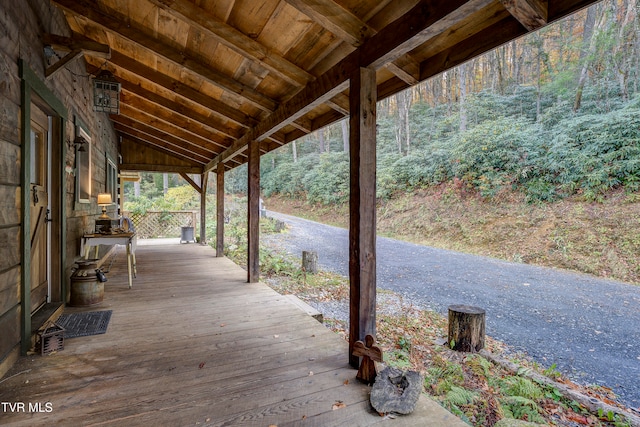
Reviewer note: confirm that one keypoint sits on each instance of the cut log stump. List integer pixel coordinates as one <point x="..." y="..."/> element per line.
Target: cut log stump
<point x="310" y="262"/>
<point x="466" y="328"/>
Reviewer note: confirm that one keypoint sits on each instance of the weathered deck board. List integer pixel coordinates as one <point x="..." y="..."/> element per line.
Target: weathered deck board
<point x="194" y="344"/>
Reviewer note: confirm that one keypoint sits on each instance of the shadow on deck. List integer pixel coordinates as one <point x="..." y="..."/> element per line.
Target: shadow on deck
<point x="194" y="344"/>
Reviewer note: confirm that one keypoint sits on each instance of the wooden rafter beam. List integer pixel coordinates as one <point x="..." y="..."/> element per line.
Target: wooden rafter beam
<point x="77" y="42"/>
<point x="173" y="133"/>
<point x="532" y="14"/>
<point x="220" y="108"/>
<point x="340" y="103"/>
<point x="418" y="25"/>
<point x="406" y="69"/>
<point x="182" y="114"/>
<point x="75" y="48"/>
<point x="351" y="29"/>
<point x="217" y="123"/>
<point x="203" y="137"/>
<point x="336" y="19"/>
<point x="142" y="145"/>
<point x="156" y="138"/>
<point x="118" y="24"/>
<point x="480" y="43"/>
<point x="235" y="40"/>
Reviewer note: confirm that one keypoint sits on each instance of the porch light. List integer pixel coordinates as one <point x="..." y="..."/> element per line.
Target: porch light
<point x="104" y="200"/>
<point x="106" y="93"/>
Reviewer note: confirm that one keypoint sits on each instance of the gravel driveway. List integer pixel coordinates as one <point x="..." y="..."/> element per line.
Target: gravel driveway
<point x="588" y="327"/>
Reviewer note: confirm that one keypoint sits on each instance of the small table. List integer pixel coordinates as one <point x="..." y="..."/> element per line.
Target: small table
<point x="126" y="239"/>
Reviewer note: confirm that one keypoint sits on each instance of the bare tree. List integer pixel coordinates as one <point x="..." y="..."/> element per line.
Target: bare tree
<point x="462" y="73"/>
<point x="345" y="135"/>
<point x="403" y="102"/>
<point x="321" y="145"/>
<point x="588" y="46"/>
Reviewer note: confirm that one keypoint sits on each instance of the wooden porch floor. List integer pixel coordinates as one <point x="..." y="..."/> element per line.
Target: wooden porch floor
<point x="194" y="344"/>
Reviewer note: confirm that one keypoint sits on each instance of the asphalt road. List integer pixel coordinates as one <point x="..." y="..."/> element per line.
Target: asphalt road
<point x="588" y="327"/>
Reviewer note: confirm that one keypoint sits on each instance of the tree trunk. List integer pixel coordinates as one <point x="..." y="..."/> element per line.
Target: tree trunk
<point x="345" y="136"/>
<point x="466" y="328"/>
<point x="587" y="46"/>
<point x="321" y="141"/>
<point x="403" y="103"/>
<point x="462" y="69"/>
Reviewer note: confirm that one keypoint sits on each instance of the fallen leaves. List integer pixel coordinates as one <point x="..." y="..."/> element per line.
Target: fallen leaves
<point x="338" y="405"/>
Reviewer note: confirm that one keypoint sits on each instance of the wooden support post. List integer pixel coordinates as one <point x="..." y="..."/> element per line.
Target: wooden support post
<point x="253" y="233"/>
<point x="220" y="210"/>
<point x="310" y="262"/>
<point x="466" y="328"/>
<point x="362" y="209"/>
<point x="203" y="208"/>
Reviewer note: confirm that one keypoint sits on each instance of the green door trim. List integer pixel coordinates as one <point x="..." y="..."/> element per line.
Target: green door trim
<point x="31" y="84"/>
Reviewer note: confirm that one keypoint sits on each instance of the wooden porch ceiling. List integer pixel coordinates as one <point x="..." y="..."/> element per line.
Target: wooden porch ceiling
<point x="202" y="78"/>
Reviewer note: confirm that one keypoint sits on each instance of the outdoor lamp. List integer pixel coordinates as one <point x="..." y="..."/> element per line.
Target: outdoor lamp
<point x="104" y="200"/>
<point x="106" y="93"/>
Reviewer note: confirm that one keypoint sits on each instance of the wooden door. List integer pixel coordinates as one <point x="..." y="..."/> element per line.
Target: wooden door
<point x="39" y="205"/>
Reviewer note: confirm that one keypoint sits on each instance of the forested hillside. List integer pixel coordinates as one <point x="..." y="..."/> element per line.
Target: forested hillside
<point x="550" y="115"/>
<point x="530" y="153"/>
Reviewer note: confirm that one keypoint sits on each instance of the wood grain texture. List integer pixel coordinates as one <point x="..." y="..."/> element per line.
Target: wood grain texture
<point x="192" y="343"/>
<point x="362" y="209"/>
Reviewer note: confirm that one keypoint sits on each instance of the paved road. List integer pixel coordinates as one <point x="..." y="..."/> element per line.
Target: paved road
<point x="588" y="326"/>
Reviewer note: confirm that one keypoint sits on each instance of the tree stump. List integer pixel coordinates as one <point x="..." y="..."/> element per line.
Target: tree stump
<point x="310" y="262"/>
<point x="466" y="328"/>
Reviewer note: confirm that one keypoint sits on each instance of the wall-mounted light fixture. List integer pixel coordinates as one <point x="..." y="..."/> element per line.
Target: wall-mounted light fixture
<point x="106" y="93"/>
<point x="80" y="143"/>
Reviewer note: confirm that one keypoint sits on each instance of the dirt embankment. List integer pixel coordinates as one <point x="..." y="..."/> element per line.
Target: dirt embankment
<point x="601" y="239"/>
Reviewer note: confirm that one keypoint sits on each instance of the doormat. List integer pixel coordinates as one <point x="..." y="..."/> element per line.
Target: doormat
<point x="84" y="324"/>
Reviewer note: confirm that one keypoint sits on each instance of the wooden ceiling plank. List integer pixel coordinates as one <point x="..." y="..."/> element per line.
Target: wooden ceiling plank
<point x="187" y="92"/>
<point x="119" y="25"/>
<point x="532" y="14"/>
<point x="158" y="144"/>
<point x="143" y="167"/>
<point x="211" y="140"/>
<point x="140" y="130"/>
<point x="419" y="24"/>
<point x="235" y="40"/>
<point x="224" y="133"/>
<point x="335" y="19"/>
<point x="161" y="129"/>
